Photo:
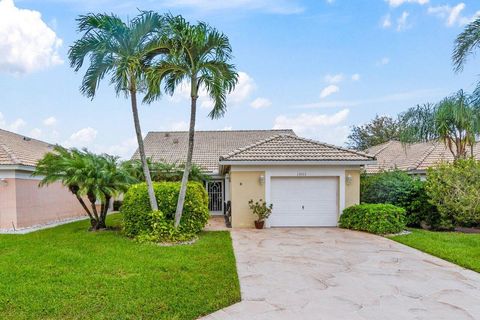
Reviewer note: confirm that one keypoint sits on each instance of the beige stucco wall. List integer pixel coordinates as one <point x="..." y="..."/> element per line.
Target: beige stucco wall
<point x="8" y="208"/>
<point x="352" y="190"/>
<point x="37" y="205"/>
<point x="245" y="186"/>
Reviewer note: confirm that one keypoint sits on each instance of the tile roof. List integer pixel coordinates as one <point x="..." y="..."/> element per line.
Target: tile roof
<point x="411" y="157"/>
<point x="16" y="149"/>
<point x="292" y="148"/>
<point x="171" y="147"/>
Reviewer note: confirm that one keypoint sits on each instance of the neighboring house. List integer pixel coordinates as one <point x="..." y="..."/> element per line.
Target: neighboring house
<point x="414" y="158"/>
<point x="309" y="183"/>
<point x="22" y="202"/>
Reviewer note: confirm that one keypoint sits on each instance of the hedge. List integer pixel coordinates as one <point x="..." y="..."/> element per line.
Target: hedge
<point x="402" y="190"/>
<point x="374" y="218"/>
<point x="143" y="224"/>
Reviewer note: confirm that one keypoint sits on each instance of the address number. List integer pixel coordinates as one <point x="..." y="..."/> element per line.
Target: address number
<point x="301" y="174"/>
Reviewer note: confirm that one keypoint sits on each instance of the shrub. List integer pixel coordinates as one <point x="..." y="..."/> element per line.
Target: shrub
<point x="260" y="209"/>
<point x="402" y="190"/>
<point x="143" y="224"/>
<point x="374" y="218"/>
<point x="454" y="188"/>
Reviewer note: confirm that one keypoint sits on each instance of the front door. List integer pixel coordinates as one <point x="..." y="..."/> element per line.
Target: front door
<point x="215" y="196"/>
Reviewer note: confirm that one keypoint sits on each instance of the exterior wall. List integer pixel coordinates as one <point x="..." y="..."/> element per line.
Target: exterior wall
<point x="244" y="186"/>
<point x="37" y="205"/>
<point x="8" y="204"/>
<point x="352" y="190"/>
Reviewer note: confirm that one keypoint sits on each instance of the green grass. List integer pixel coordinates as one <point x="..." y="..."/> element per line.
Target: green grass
<point x="459" y="248"/>
<point x="69" y="273"/>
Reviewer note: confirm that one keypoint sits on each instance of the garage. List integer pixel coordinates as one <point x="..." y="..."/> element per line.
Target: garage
<point x="309" y="183"/>
<point x="304" y="201"/>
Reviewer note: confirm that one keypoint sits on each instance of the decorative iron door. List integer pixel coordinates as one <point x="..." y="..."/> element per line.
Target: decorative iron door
<point x="215" y="196"/>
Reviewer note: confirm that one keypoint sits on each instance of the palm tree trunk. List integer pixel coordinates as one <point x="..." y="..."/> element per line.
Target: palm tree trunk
<point x="141" y="151"/>
<point x="188" y="164"/>
<point x="74" y="190"/>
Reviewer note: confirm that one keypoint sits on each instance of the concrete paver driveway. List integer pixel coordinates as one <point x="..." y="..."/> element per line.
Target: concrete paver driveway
<point x="319" y="273"/>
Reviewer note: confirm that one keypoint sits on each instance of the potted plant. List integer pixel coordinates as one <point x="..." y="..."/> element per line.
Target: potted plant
<point x="261" y="210"/>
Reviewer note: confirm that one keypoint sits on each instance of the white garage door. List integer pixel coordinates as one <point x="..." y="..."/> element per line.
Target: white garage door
<point x="304" y="202"/>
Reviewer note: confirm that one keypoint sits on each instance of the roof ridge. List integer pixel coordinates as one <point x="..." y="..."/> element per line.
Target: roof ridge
<point x="385" y="146"/>
<point x="9" y="153"/>
<point x="260" y="142"/>
<point x="428" y="153"/>
<point x="363" y="154"/>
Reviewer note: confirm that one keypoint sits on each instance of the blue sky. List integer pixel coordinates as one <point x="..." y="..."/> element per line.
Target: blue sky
<point x="316" y="66"/>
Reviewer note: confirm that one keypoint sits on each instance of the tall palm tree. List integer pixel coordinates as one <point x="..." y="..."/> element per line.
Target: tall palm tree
<point x="465" y="44"/>
<point x="198" y="54"/>
<point x="119" y="50"/>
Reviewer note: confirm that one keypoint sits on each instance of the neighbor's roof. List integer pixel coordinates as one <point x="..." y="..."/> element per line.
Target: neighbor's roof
<point x="411" y="157"/>
<point x="284" y="148"/>
<point x="16" y="149"/>
<point x="171" y="147"/>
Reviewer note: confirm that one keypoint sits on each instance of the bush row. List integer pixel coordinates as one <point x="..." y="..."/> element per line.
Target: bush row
<point x="374" y="218"/>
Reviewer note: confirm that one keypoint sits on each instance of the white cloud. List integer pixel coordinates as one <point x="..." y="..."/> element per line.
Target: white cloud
<point x="333" y="79"/>
<point x="179" y="126"/>
<point x="383" y="61"/>
<point x="396" y="3"/>
<point x="124" y="149"/>
<point x="16" y="125"/>
<point x="27" y="44"/>
<point x="355" y="77"/>
<point x="402" y="23"/>
<point x="82" y="138"/>
<point x="259" y="103"/>
<point x="227" y="128"/>
<point x="452" y="15"/>
<point x="329" y="90"/>
<point x="36" y="133"/>
<point x="270" y="6"/>
<point x="50" y="121"/>
<point x="386" y="21"/>
<point x="323" y="127"/>
<point x="243" y="90"/>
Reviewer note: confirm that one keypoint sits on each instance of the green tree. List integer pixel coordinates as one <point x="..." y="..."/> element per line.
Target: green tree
<point x="96" y="177"/>
<point x="455" y="121"/>
<point x="161" y="171"/>
<point x="199" y="55"/>
<point x="417" y="124"/>
<point x="119" y="50"/>
<point x="465" y="44"/>
<point x="381" y="129"/>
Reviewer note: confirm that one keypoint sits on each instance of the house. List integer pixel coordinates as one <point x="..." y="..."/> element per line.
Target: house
<point x="22" y="202"/>
<point x="309" y="183"/>
<point x="414" y="158"/>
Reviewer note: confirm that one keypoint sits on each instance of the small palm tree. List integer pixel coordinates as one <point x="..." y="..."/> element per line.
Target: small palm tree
<point x="98" y="177"/>
<point x="200" y="55"/>
<point x="119" y="50"/>
<point x="61" y="166"/>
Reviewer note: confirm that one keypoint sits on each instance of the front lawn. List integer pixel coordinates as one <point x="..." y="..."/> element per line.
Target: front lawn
<point x="459" y="248"/>
<point x="69" y="273"/>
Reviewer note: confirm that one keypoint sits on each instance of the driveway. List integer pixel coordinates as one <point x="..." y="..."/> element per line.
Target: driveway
<point x="339" y="274"/>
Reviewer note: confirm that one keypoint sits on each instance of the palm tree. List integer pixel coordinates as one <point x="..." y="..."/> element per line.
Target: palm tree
<point x="119" y="50"/>
<point x="465" y="44"/>
<point x="456" y="121"/>
<point x="98" y="177"/>
<point x="61" y="166"/>
<point x="200" y="55"/>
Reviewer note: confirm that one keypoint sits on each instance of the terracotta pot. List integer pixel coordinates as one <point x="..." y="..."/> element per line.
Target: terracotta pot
<point x="259" y="224"/>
